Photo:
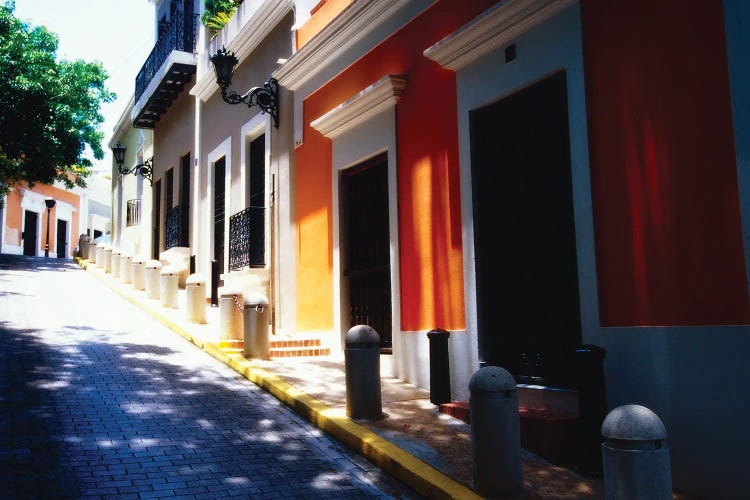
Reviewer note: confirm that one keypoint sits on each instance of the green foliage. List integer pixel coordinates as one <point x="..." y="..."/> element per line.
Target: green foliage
<point x="217" y="14"/>
<point x="49" y="109"/>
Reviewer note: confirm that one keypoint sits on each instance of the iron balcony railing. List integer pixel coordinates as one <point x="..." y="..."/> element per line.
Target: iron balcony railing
<point x="133" y="213"/>
<point x="247" y="238"/>
<point x="172" y="229"/>
<point x="180" y="34"/>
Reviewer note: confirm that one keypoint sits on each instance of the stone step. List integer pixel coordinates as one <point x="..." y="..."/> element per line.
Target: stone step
<point x="549" y="434"/>
<point x="294" y="343"/>
<point x="296" y="352"/>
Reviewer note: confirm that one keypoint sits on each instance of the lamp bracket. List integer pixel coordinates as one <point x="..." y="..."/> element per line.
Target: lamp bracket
<point x="265" y="97"/>
<point x="145" y="169"/>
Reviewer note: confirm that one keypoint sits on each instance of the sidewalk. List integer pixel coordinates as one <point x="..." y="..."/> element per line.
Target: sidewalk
<point x="429" y="451"/>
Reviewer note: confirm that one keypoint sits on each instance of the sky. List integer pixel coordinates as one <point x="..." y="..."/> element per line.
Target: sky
<point x="117" y="33"/>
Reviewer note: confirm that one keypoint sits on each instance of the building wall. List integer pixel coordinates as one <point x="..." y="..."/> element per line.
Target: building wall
<point x="134" y="240"/>
<point x="174" y="137"/>
<point x="429" y="201"/>
<point x="668" y="230"/>
<point x="21" y="198"/>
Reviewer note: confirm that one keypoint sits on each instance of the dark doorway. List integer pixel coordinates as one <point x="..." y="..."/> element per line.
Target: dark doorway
<point x="61" y="242"/>
<point x="156" y="241"/>
<point x="97" y="233"/>
<point x="527" y="274"/>
<point x="185" y="201"/>
<point x="30" y="242"/>
<point x="219" y="172"/>
<point x="365" y="241"/>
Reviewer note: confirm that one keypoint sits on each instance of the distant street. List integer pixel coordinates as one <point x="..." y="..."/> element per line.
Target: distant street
<point x="98" y="399"/>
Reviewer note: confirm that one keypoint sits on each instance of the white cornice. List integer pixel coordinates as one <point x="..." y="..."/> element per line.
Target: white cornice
<point x="248" y="38"/>
<point x="370" y="101"/>
<point x="123" y="123"/>
<point x="352" y="25"/>
<point x="496" y="27"/>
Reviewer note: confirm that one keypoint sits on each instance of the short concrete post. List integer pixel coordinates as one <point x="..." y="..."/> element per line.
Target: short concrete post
<point x="125" y="270"/>
<point x="195" y="288"/>
<point x="168" y="284"/>
<point x="153" y="268"/>
<point x="256" y="326"/>
<point x="83" y="246"/>
<point x="230" y="315"/>
<point x="99" y="255"/>
<point x="116" y="254"/>
<point x="108" y="259"/>
<point x="92" y="252"/>
<point x="635" y="455"/>
<point x="138" y="273"/>
<point x="495" y="433"/>
<point x="362" y="369"/>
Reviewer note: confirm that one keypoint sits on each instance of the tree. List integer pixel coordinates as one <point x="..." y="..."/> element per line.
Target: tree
<point x="49" y="109"/>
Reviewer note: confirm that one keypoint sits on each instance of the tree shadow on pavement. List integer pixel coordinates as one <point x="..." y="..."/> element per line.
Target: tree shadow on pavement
<point x="91" y="413"/>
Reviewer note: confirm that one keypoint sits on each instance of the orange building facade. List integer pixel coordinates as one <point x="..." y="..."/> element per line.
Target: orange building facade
<point x="25" y="217"/>
<point x="531" y="176"/>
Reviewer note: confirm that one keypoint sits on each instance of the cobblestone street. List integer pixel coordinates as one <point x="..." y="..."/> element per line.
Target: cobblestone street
<point x="98" y="399"/>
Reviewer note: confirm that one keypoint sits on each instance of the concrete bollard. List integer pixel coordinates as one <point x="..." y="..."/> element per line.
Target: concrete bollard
<point x="99" y="255"/>
<point x="362" y="368"/>
<point x="116" y="254"/>
<point x="92" y="252"/>
<point x="495" y="433"/>
<point x="153" y="268"/>
<point x="168" y="285"/>
<point x="138" y="273"/>
<point x="231" y="315"/>
<point x="255" y="324"/>
<point x="195" y="288"/>
<point x="83" y="246"/>
<point x="635" y="455"/>
<point x="108" y="259"/>
<point x="125" y="269"/>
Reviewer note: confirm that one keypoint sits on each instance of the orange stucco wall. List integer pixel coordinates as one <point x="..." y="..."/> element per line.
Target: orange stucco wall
<point x="431" y="258"/>
<point x="663" y="169"/>
<point x="322" y="14"/>
<point x="14" y="217"/>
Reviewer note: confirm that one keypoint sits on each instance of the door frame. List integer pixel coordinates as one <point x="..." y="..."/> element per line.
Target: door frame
<point x="545" y="49"/>
<point x="38" y="230"/>
<point x="66" y="253"/>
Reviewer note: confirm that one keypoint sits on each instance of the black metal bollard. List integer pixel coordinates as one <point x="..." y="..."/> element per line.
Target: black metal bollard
<point x="192" y="264"/>
<point x="589" y="363"/>
<point x="214" y="283"/>
<point x="440" y="373"/>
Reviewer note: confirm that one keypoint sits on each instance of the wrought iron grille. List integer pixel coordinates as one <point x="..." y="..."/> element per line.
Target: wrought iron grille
<point x="179" y="34"/>
<point x="247" y="238"/>
<point x="172" y="230"/>
<point x="133" y="213"/>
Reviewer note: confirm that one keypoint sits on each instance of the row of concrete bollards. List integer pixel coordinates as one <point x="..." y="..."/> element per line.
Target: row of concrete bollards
<point x="634" y="452"/>
<point x="241" y="318"/>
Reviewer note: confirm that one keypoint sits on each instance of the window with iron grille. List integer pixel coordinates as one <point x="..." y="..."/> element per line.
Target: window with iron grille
<point x="133" y="213"/>
<point x="247" y="229"/>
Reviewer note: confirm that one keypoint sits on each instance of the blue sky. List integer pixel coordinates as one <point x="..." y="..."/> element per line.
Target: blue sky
<point x="117" y="33"/>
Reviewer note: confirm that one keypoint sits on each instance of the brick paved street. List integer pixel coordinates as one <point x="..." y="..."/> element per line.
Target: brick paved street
<point x="97" y="399"/>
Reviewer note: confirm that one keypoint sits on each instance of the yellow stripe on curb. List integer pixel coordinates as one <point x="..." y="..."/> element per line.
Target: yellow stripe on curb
<point x="422" y="477"/>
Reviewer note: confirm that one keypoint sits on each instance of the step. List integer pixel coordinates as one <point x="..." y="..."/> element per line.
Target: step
<point x="295" y="343"/>
<point x="297" y="352"/>
<point x="549" y="434"/>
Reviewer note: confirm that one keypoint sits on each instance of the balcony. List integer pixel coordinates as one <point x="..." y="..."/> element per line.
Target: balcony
<point x="247" y="238"/>
<point x="168" y="68"/>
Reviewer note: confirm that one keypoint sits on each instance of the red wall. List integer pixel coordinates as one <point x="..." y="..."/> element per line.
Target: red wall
<point x="663" y="172"/>
<point x="428" y="178"/>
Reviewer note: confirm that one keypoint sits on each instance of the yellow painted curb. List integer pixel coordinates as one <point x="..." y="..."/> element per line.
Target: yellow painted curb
<point x="422" y="477"/>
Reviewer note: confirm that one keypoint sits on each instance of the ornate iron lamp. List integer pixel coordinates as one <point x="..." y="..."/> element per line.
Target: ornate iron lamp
<point x="145" y="169"/>
<point x="50" y="203"/>
<point x="265" y="97"/>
